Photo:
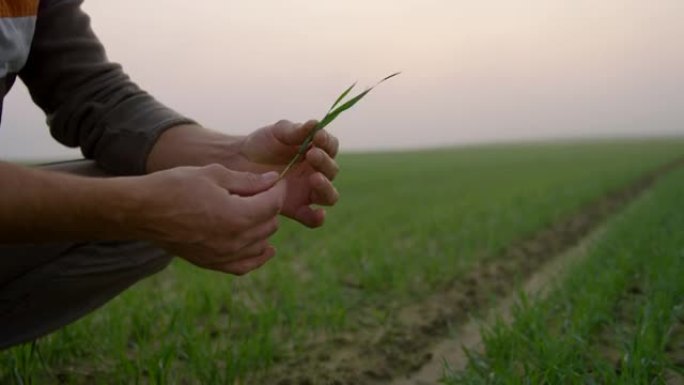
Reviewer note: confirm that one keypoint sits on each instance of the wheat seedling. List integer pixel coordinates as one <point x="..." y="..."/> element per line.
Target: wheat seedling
<point x="335" y="110"/>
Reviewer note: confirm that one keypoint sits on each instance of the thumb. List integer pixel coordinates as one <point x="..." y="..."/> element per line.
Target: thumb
<point x="291" y="133"/>
<point x="247" y="183"/>
<point x="265" y="205"/>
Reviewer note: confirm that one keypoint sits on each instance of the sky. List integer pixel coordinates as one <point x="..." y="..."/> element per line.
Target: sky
<point x="473" y="71"/>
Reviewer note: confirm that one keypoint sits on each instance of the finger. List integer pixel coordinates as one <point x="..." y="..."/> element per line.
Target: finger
<point x="244" y="266"/>
<point x="328" y="142"/>
<point x="310" y="217"/>
<point x="259" y="233"/>
<point x="322" y="162"/>
<point x="250" y="251"/>
<point x="261" y="207"/>
<point x="293" y="133"/>
<point x="242" y="183"/>
<point x="323" y="192"/>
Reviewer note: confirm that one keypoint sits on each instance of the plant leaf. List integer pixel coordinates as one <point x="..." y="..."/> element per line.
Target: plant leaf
<point x="342" y="96"/>
<point x="347" y="105"/>
<point x="333" y="113"/>
<point x="389" y="77"/>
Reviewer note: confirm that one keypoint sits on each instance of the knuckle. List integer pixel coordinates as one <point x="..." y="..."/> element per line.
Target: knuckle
<point x="261" y="248"/>
<point x="233" y="174"/>
<point x="245" y="219"/>
<point x="328" y="143"/>
<point x="334" y="148"/>
<point x="330" y="200"/>
<point x="251" y="178"/>
<point x="312" y="156"/>
<point x="275" y="225"/>
<point x="334" y="169"/>
<point x="322" y="138"/>
<point x="230" y="227"/>
<point x="214" y="168"/>
<point x="239" y="221"/>
<point x="275" y="209"/>
<point x="322" y="156"/>
<point x="283" y="123"/>
<point x="248" y="180"/>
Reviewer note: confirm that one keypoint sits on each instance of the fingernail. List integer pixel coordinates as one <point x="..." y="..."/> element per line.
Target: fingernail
<point x="270" y="176"/>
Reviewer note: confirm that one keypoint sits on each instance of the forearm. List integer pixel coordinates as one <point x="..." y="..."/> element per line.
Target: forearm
<point x="90" y="102"/>
<point x="194" y="145"/>
<point x="42" y="206"/>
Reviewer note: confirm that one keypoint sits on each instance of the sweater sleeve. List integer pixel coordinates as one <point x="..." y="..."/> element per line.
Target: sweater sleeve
<point x="90" y="102"/>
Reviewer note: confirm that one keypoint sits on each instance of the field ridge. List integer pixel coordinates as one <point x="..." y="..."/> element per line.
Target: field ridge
<point x="379" y="355"/>
<point x="467" y="339"/>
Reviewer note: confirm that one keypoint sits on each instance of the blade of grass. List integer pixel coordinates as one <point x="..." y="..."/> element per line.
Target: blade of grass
<point x="388" y="78"/>
<point x="332" y="114"/>
<point x="342" y="96"/>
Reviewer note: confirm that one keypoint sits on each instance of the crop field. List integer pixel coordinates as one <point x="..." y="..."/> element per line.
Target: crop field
<point x="617" y="318"/>
<point x="427" y="252"/>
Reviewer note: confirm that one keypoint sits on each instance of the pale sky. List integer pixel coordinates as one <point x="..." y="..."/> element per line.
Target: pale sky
<point x="474" y="71"/>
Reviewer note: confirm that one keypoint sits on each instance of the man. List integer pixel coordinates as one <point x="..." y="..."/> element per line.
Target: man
<point x="69" y="243"/>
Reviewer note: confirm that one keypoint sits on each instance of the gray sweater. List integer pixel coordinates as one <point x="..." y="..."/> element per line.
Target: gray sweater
<point x="89" y="102"/>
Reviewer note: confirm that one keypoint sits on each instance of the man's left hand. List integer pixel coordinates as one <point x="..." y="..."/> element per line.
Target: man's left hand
<point x="309" y="182"/>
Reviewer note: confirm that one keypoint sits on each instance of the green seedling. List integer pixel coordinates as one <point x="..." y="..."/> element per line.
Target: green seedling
<point x="189" y="326"/>
<point x="335" y="110"/>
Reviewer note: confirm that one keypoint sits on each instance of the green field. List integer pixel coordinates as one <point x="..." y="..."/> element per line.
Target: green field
<point x="618" y="317"/>
<point x="408" y="225"/>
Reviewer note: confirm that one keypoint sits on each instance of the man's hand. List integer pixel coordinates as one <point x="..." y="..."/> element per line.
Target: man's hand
<point x="214" y="217"/>
<point x="267" y="149"/>
<point x="211" y="216"/>
<point x="309" y="182"/>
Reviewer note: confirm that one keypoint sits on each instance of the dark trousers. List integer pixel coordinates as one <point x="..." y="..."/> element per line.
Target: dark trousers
<point x="44" y="287"/>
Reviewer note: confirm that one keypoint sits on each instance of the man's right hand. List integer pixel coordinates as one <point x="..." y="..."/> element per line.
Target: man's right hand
<point x="211" y="216"/>
<point x="214" y="217"/>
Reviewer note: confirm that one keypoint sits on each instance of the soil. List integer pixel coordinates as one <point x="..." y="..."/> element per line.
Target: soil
<point x="410" y="347"/>
<point x="468" y="338"/>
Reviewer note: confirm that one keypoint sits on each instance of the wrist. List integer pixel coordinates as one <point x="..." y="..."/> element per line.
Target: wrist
<point x="90" y="208"/>
<point x="115" y="205"/>
<point x="51" y="206"/>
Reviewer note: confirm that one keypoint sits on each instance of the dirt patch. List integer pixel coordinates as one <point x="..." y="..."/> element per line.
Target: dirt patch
<point x="414" y="336"/>
<point x="468" y="338"/>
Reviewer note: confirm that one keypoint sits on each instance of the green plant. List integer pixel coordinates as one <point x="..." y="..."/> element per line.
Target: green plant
<point x="332" y="113"/>
<point x="187" y="325"/>
<point x="611" y="320"/>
